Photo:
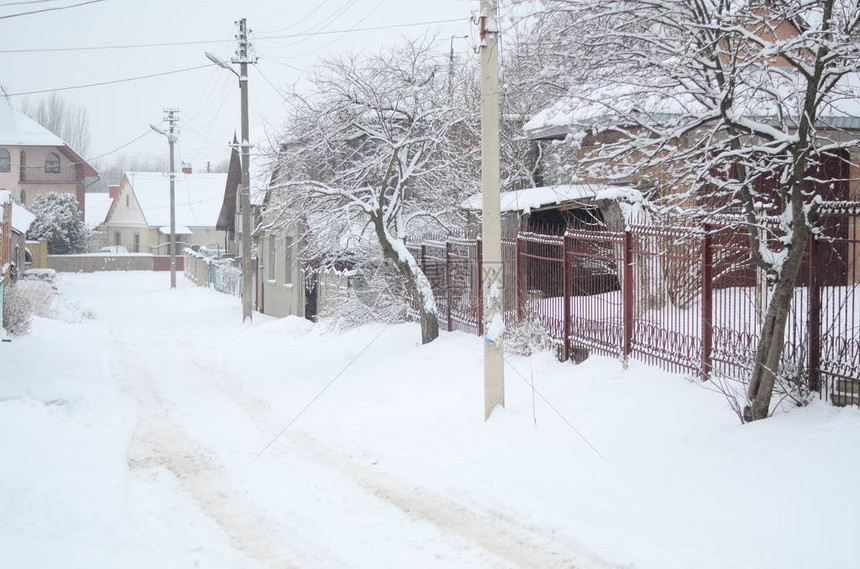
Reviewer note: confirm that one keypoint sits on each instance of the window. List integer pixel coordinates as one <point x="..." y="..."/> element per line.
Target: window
<point x="23" y="196"/>
<point x="23" y="165"/>
<point x="5" y="160"/>
<point x="52" y="164"/>
<point x="136" y="245"/>
<point x="116" y="237"/>
<point x="288" y="260"/>
<point x="272" y="274"/>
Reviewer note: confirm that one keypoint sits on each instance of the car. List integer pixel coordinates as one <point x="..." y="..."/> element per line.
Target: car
<point x="115" y="250"/>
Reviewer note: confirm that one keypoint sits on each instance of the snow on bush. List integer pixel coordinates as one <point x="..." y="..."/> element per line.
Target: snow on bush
<point x="59" y="222"/>
<point x="374" y="294"/>
<point x="527" y="337"/>
<point x="17" y="311"/>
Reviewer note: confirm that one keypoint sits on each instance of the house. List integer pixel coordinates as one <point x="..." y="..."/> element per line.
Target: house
<point x="230" y="215"/>
<point x="34" y="161"/>
<point x="281" y="287"/>
<point x="139" y="215"/>
<point x="16" y="220"/>
<point x="98" y="205"/>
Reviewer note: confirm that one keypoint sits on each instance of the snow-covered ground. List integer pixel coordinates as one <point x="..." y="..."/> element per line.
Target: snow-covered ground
<point x="163" y="433"/>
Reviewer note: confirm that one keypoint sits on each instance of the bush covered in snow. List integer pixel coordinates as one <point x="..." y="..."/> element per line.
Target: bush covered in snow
<point x="375" y="294"/>
<point x="527" y="337"/>
<point x="59" y="222"/>
<point x="17" y="311"/>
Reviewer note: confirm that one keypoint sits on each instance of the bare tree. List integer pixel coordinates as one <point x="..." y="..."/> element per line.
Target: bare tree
<point x="731" y="104"/>
<point x="377" y="149"/>
<point x="70" y="122"/>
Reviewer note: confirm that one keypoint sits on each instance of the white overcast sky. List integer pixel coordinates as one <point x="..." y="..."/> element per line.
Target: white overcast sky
<point x="207" y="98"/>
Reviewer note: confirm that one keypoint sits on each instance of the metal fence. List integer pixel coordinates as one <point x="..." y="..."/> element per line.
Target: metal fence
<point x="685" y="299"/>
<point x="221" y="274"/>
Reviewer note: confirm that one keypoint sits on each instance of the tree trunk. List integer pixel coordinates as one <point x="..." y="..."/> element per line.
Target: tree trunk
<point x="416" y="282"/>
<point x="772" y="342"/>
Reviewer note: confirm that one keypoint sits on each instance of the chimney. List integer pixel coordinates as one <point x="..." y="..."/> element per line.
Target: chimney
<point x="186" y="167"/>
<point x="113" y="191"/>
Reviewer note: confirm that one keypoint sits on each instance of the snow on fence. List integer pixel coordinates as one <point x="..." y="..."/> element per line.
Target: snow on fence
<point x="685" y="299"/>
<point x="221" y="274"/>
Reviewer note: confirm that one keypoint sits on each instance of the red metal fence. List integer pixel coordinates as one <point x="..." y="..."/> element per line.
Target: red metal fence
<point x="685" y="299"/>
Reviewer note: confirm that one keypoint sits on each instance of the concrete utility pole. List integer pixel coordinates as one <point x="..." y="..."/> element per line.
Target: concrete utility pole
<point x="172" y="134"/>
<point x="491" y="267"/>
<point x="243" y="59"/>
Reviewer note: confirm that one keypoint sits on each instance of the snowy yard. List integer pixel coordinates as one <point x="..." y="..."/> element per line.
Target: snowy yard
<point x="143" y="437"/>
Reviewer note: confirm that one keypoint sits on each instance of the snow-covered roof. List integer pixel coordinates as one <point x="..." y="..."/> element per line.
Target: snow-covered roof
<point x="534" y="198"/>
<point x="97" y="206"/>
<point x="22" y="218"/>
<point x="198" y="197"/>
<point x="17" y="129"/>
<point x="618" y="103"/>
<point x="178" y="230"/>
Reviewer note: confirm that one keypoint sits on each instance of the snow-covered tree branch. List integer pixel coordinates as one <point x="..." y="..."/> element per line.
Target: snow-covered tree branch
<point x="379" y="148"/>
<point x="715" y="106"/>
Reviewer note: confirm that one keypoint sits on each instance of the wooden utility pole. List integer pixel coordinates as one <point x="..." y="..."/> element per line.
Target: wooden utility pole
<point x="242" y="58"/>
<point x="492" y="271"/>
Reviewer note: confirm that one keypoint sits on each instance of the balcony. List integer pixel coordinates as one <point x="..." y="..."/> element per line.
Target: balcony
<point x="66" y="175"/>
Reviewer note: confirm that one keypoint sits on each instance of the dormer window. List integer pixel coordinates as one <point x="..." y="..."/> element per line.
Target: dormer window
<point x="5" y="160"/>
<point x="52" y="164"/>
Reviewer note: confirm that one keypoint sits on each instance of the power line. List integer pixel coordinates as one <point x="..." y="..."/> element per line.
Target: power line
<point x="120" y="46"/>
<point x="117" y="149"/>
<point x="199" y="42"/>
<point x="127" y="79"/>
<point x="368" y="29"/>
<point x="25" y="2"/>
<point x="50" y="9"/>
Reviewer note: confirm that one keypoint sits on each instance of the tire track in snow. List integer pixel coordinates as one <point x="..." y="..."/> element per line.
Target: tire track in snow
<point x="160" y="442"/>
<point x="495" y="533"/>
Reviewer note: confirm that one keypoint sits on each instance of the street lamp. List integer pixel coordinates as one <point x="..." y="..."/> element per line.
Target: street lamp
<point x="245" y="195"/>
<point x="172" y="137"/>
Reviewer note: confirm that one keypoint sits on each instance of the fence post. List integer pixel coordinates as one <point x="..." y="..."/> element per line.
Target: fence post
<point x="813" y="317"/>
<point x="565" y="308"/>
<point x="707" y="302"/>
<point x="627" y="294"/>
<point x="479" y="268"/>
<point x="518" y="308"/>
<point x="448" y="284"/>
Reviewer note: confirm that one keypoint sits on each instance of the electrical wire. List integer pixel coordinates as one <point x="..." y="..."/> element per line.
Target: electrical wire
<point x="117" y="149"/>
<point x="297" y="22"/>
<point x="367" y="29"/>
<point x="18" y="15"/>
<point x="200" y="42"/>
<point x="99" y="84"/>
<point x="120" y="46"/>
<point x="4" y="5"/>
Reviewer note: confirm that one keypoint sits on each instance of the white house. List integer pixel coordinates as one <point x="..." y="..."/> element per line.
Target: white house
<point x="139" y="216"/>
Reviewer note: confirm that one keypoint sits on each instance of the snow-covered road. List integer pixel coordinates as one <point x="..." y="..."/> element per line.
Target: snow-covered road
<point x="163" y="433"/>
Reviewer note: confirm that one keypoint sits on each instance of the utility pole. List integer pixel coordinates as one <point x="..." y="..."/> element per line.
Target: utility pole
<point x="451" y="68"/>
<point x="172" y="134"/>
<point x="491" y="268"/>
<point x="243" y="59"/>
